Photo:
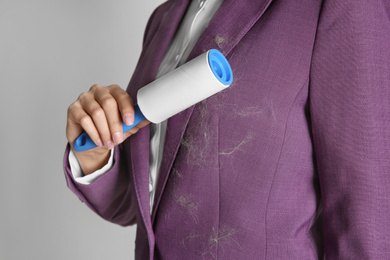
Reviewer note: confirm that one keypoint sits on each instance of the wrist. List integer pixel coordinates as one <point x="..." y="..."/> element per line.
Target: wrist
<point x="92" y="160"/>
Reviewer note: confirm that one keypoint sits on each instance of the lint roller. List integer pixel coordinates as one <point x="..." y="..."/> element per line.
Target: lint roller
<point x="194" y="81"/>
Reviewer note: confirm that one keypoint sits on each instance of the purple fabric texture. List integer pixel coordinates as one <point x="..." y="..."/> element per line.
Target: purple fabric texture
<point x="291" y="162"/>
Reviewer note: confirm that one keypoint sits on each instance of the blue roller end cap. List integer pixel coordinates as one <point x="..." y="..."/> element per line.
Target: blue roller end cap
<point x="220" y="67"/>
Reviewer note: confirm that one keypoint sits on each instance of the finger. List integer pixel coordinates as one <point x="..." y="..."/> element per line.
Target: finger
<point x="125" y="104"/>
<point x="79" y="120"/>
<point x="110" y="108"/>
<point x="73" y="129"/>
<point x="98" y="117"/>
<point x="136" y="128"/>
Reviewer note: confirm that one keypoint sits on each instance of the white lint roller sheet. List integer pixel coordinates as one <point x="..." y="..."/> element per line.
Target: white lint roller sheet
<point x="194" y="81"/>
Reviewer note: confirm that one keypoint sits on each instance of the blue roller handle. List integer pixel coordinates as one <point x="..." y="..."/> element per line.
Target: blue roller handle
<point x="84" y="142"/>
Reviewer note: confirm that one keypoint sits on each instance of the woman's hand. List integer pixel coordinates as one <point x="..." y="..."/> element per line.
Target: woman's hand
<point x="98" y="112"/>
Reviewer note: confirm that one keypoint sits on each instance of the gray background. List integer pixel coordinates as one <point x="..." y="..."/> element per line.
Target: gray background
<point x="50" y="52"/>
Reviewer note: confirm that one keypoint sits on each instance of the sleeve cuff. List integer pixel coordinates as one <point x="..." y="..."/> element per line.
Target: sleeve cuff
<point x="78" y="174"/>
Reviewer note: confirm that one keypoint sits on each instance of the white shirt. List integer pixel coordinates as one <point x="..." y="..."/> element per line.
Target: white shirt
<point x="195" y="21"/>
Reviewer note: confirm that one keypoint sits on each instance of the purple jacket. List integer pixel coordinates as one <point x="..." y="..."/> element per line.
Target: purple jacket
<point x="291" y="162"/>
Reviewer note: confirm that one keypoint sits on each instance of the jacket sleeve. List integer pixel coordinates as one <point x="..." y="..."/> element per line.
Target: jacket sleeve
<point x="350" y="115"/>
<point x="111" y="196"/>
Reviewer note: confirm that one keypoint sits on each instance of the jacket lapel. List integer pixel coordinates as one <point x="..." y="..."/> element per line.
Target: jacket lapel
<point x="231" y="22"/>
<point x="160" y="33"/>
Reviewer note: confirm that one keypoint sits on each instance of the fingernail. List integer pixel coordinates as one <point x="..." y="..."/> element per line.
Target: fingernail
<point x="128" y="118"/>
<point x="100" y="143"/>
<point x="118" y="137"/>
<point x="110" y="145"/>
